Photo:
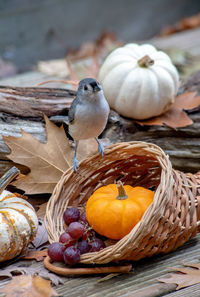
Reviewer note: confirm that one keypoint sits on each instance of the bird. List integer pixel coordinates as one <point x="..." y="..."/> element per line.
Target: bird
<point x="88" y="115"/>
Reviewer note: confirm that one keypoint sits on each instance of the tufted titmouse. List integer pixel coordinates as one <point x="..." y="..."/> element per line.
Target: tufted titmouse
<point x="88" y="114"/>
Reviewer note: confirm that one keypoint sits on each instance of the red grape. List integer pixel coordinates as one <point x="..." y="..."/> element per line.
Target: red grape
<point x="55" y="251"/>
<point x="71" y="215"/>
<point x="83" y="246"/>
<point x="66" y="239"/>
<point x="71" y="255"/>
<point x="76" y="230"/>
<point x="83" y="218"/>
<point x="88" y="234"/>
<point x="97" y="245"/>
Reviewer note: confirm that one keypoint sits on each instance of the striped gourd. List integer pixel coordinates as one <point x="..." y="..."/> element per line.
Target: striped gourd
<point x="18" y="225"/>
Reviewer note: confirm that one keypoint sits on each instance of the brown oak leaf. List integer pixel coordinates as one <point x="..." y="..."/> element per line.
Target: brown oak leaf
<point x="27" y="285"/>
<point x="47" y="161"/>
<point x="184" y="277"/>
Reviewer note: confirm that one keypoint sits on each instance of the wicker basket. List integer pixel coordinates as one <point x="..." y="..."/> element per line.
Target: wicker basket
<point x="169" y="221"/>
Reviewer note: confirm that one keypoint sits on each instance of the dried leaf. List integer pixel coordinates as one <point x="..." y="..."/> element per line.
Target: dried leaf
<point x="27" y="285"/>
<point x="35" y="255"/>
<point x="41" y="236"/>
<point x="85" y="62"/>
<point x="105" y="43"/>
<point x="47" y="161"/>
<point x="184" y="277"/>
<point x="176" y="117"/>
<point x="184" y="24"/>
<point x="21" y="268"/>
<point x="187" y="101"/>
<point x="42" y="210"/>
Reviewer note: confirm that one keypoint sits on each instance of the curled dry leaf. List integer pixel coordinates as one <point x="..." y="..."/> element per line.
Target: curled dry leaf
<point x="47" y="161"/>
<point x="27" y="285"/>
<point x="184" y="277"/>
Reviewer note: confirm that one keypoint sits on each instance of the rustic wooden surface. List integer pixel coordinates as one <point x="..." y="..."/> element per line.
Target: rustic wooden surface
<point x="141" y="282"/>
<point x="33" y="102"/>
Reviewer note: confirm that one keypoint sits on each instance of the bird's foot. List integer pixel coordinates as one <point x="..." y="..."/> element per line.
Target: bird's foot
<point x="75" y="165"/>
<point x="101" y="148"/>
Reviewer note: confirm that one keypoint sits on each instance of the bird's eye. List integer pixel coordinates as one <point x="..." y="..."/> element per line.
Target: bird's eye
<point x="85" y="88"/>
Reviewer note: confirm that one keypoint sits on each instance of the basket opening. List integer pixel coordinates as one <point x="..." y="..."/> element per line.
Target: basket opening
<point x="132" y="166"/>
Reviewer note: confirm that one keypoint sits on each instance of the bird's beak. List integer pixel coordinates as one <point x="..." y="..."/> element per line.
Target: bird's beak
<point x="97" y="89"/>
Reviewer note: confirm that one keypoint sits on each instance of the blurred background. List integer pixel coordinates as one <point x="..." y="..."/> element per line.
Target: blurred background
<point x="45" y="29"/>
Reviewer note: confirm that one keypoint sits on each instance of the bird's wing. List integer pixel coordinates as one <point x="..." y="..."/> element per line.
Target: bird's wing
<point x="72" y="110"/>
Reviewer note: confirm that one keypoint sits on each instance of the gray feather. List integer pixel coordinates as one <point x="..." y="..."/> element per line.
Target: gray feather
<point x="72" y="110"/>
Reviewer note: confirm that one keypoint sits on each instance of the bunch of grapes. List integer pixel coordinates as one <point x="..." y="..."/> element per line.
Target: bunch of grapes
<point x="78" y="239"/>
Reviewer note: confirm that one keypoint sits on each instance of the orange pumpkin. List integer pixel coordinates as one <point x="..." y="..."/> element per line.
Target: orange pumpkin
<point x="114" y="210"/>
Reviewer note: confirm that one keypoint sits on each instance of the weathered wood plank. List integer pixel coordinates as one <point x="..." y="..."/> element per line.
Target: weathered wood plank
<point x="182" y="145"/>
<point x="142" y="282"/>
<point x="193" y="291"/>
<point x="34" y="102"/>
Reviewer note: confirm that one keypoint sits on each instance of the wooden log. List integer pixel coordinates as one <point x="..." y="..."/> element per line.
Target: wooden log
<point x="34" y="102"/>
<point x="24" y="108"/>
<point x="182" y="144"/>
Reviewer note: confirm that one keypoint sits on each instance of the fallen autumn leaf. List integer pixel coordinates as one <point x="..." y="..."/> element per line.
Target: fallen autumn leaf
<point x="28" y="269"/>
<point x="47" y="161"/>
<point x="175" y="117"/>
<point x="27" y="285"/>
<point x="184" y="277"/>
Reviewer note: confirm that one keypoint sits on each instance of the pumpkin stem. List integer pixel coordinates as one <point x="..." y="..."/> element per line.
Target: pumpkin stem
<point x="8" y="177"/>
<point x="122" y="194"/>
<point x="145" y="61"/>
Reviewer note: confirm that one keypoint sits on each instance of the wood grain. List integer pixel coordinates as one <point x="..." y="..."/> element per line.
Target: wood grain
<point x="34" y="102"/>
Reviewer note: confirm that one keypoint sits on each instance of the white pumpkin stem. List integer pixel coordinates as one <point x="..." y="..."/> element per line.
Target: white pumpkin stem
<point x="8" y="177"/>
<point x="145" y="61"/>
<point x="121" y="191"/>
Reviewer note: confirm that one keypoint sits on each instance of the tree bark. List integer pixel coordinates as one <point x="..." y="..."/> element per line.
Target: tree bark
<point x="23" y="108"/>
<point x="31" y="102"/>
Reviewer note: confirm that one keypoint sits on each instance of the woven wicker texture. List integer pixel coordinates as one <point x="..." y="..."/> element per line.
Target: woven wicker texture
<point x="172" y="218"/>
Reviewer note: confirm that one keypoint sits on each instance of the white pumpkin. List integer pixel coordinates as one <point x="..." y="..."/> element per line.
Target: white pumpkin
<point x="18" y="225"/>
<point x="138" y="81"/>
